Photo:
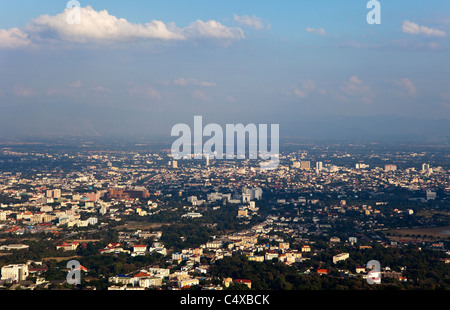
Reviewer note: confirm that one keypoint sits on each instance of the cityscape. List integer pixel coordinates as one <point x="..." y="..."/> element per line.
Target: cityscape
<point x="214" y="153"/>
<point x="137" y="219"/>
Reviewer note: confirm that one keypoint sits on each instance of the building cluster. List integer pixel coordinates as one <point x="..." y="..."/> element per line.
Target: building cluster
<point x="105" y="188"/>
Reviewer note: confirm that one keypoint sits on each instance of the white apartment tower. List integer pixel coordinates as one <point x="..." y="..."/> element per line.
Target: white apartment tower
<point x="319" y="166"/>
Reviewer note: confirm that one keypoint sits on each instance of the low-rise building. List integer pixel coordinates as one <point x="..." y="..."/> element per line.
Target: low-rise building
<point x="188" y="283"/>
<point x="15" y="272"/>
<point x="340" y="257"/>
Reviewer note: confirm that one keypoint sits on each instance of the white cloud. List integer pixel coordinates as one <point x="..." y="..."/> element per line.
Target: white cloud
<point x="23" y="91"/>
<point x="198" y="94"/>
<point x="413" y="28"/>
<point x="102" y="89"/>
<point x="100" y="26"/>
<point x="306" y="88"/>
<point x="76" y="84"/>
<point x="406" y="84"/>
<point x="355" y="85"/>
<point x="211" y="29"/>
<point x="250" y="21"/>
<point x="300" y="93"/>
<point x="318" y="31"/>
<point x="356" y="89"/>
<point x="195" y="82"/>
<point x="230" y="98"/>
<point x="13" y="38"/>
<point x="147" y="92"/>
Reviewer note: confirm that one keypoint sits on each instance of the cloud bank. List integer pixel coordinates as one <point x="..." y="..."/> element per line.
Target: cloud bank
<point x="13" y="38"/>
<point x="102" y="27"/>
<point x="415" y="29"/>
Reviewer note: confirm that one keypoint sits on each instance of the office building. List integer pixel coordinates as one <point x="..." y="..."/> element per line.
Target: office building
<point x="425" y="167"/>
<point x="319" y="166"/>
<point x="305" y="165"/>
<point x="390" y="167"/>
<point x="56" y="193"/>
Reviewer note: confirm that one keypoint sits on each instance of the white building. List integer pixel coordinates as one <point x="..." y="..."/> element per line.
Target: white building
<point x="159" y="272"/>
<point x="188" y="282"/>
<point x="390" y="167"/>
<point x="139" y="249"/>
<point x="17" y="272"/>
<point x="352" y="240"/>
<point x="192" y="215"/>
<point x="340" y="257"/>
<point x="254" y="193"/>
<point x="361" y="166"/>
<point x="150" y="282"/>
<point x="14" y="247"/>
<point x="319" y="166"/>
<point x="431" y="195"/>
<point x="214" y="245"/>
<point x="245" y="198"/>
<point x="92" y="220"/>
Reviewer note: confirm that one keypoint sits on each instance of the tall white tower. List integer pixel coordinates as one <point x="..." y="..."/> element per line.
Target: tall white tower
<point x="319" y="166"/>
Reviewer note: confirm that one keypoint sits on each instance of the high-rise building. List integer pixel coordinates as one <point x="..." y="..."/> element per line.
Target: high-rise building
<point x="174" y="164"/>
<point x="249" y="194"/>
<point x="56" y="193"/>
<point x="390" y="167"/>
<point x="305" y="165"/>
<point x="319" y="166"/>
<point x="425" y="167"/>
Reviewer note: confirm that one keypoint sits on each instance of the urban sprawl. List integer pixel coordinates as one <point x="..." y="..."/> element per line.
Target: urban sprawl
<point x="140" y="220"/>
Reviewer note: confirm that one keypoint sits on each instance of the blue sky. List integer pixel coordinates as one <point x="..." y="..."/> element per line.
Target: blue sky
<point x="142" y="66"/>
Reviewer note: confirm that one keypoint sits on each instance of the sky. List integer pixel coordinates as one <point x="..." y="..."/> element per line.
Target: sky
<point x="140" y="67"/>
